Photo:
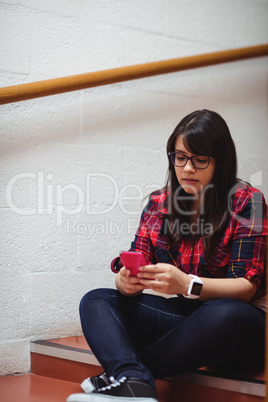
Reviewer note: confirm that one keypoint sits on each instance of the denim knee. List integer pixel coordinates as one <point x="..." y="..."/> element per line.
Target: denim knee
<point x="230" y="313"/>
<point x="101" y="293"/>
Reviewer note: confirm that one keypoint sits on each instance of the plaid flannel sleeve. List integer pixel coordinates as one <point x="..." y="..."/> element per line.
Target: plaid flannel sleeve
<point x="248" y="254"/>
<point x="142" y="241"/>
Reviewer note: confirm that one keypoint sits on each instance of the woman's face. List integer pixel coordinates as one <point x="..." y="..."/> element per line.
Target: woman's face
<point x="192" y="180"/>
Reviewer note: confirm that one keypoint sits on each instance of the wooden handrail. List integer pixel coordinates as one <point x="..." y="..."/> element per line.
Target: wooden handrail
<point x="55" y="86"/>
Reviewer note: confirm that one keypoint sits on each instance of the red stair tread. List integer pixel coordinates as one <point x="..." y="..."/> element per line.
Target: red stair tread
<point x="73" y="341"/>
<point x="34" y="388"/>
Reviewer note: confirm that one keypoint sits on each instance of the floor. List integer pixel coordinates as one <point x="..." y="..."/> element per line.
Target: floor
<point x="35" y="388"/>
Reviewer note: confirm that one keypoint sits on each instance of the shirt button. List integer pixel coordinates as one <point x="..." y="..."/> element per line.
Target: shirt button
<point x="248" y="277"/>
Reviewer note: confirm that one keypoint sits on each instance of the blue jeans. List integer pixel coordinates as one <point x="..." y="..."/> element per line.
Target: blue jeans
<point x="150" y="337"/>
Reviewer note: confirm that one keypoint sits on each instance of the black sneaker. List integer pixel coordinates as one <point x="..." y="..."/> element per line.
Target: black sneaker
<point x="125" y="390"/>
<point x="95" y="383"/>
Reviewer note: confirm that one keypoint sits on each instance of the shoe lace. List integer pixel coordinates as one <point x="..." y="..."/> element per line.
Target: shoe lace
<point x="114" y="383"/>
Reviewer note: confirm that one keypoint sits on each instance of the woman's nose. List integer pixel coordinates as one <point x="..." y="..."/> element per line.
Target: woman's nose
<point x="189" y="166"/>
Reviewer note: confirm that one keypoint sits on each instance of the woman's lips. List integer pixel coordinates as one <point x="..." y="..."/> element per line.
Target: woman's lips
<point x="189" y="181"/>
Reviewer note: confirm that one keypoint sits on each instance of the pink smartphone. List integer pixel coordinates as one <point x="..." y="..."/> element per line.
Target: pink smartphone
<point x="133" y="260"/>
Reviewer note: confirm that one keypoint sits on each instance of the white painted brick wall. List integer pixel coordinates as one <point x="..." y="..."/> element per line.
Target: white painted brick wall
<point x="98" y="146"/>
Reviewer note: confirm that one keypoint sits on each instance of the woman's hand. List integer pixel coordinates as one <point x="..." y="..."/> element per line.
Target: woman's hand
<point x="128" y="285"/>
<point x="168" y="279"/>
<point x="164" y="278"/>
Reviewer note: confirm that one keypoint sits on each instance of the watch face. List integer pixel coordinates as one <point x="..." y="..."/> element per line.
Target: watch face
<point x="196" y="289"/>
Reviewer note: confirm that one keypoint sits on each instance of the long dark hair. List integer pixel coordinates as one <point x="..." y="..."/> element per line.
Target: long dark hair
<point x="204" y="132"/>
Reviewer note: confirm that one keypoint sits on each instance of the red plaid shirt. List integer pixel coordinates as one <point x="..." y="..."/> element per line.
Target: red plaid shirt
<point x="241" y="252"/>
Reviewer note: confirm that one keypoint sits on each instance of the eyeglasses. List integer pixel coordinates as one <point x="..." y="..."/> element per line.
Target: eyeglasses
<point x="180" y="160"/>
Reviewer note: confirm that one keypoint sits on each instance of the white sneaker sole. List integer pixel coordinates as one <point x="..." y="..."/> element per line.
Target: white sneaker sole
<point x="105" y="398"/>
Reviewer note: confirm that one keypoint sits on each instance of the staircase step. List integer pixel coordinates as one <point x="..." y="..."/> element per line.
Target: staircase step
<point x="70" y="359"/>
<point x="67" y="359"/>
<point x="34" y="388"/>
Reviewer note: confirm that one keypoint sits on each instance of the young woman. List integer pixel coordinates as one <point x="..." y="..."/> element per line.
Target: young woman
<point x="204" y="239"/>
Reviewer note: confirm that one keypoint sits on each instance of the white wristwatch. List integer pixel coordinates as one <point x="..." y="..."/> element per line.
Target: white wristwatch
<point x="195" y="287"/>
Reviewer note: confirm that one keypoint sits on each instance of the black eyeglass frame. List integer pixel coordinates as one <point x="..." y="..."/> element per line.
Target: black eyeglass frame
<point x="187" y="159"/>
